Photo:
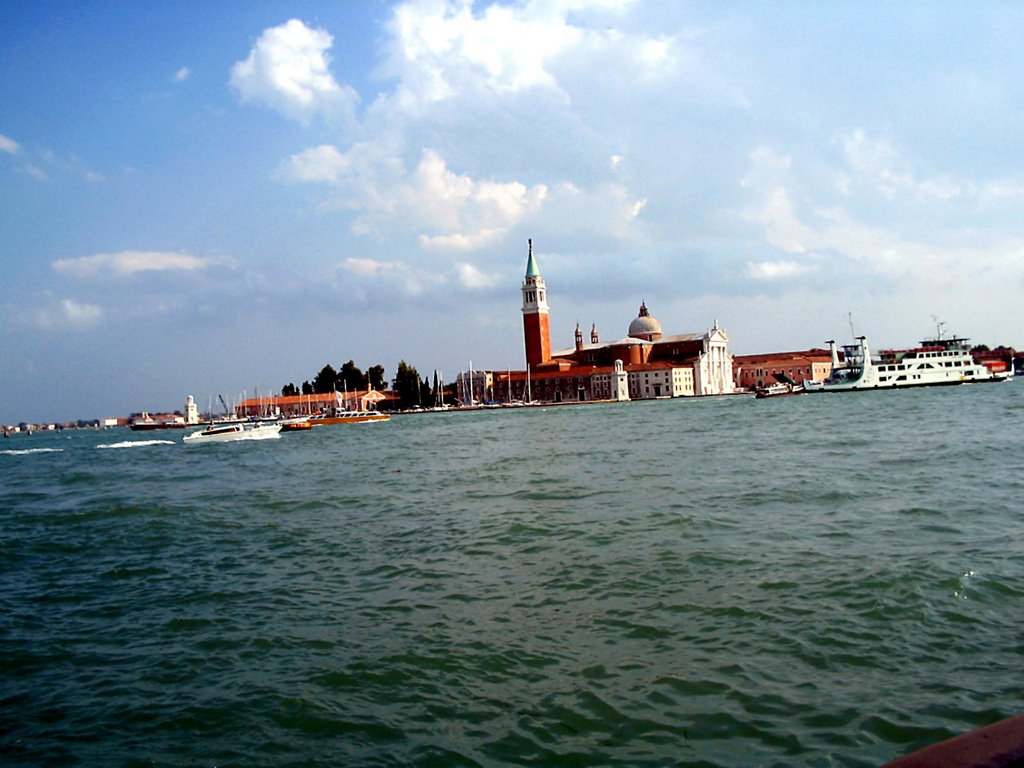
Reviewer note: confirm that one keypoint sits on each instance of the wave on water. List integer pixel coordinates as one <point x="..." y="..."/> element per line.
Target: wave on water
<point x="136" y="443"/>
<point x="522" y="587"/>
<point x="25" y="451"/>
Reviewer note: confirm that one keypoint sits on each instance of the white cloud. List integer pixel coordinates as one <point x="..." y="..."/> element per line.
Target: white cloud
<point x="472" y="278"/>
<point x="22" y="164"/>
<point x="767" y="158"/>
<point x="33" y="162"/>
<point x="413" y="281"/>
<point x="8" y="145"/>
<point x="453" y="210"/>
<point x="1002" y="189"/>
<point x="35" y="172"/>
<point x="318" y="164"/>
<point x="80" y="315"/>
<point x="460" y="242"/>
<point x="371" y="267"/>
<point x="876" y="250"/>
<point x="128" y="262"/>
<point x="395" y="274"/>
<point x="288" y="69"/>
<point x="51" y="314"/>
<point x="486" y="63"/>
<point x="778" y="270"/>
<point x="437" y="199"/>
<point x="441" y="50"/>
<point x="782" y="227"/>
<point x="182" y="75"/>
<point x="879" y="164"/>
<point x="941" y="188"/>
<point x="440" y="44"/>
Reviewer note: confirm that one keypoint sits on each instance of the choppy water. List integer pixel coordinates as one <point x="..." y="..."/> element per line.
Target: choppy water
<point x="813" y="581"/>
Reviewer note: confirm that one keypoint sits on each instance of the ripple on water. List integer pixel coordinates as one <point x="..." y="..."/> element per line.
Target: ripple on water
<point x="530" y="588"/>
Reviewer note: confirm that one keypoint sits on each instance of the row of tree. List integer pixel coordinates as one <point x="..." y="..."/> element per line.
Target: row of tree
<point x="407" y="385"/>
<point x="349" y="378"/>
<point x="412" y="391"/>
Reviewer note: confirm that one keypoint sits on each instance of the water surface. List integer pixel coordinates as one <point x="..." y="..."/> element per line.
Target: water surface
<point x="826" y="580"/>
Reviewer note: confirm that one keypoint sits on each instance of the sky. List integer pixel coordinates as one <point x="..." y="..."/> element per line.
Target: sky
<point x="210" y="198"/>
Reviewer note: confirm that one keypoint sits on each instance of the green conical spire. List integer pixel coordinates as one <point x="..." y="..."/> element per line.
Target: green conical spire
<point x="532" y="270"/>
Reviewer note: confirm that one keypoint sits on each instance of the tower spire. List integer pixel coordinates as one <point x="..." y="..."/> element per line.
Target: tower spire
<point x="532" y="270"/>
<point x="536" y="332"/>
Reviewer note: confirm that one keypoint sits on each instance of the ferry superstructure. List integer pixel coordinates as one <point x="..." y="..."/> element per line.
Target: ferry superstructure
<point x="935" y="362"/>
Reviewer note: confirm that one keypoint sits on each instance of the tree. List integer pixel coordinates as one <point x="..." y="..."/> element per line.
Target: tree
<point x="407" y="385"/>
<point x="325" y="381"/>
<point x="289" y="390"/>
<point x="375" y="377"/>
<point x="307" y="388"/>
<point x="436" y="396"/>
<point x="351" y="378"/>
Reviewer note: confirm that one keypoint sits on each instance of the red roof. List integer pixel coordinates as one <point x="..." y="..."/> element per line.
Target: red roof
<point x="778" y="358"/>
<point x="315" y="399"/>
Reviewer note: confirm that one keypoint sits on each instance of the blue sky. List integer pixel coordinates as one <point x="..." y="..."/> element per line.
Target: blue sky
<point x="208" y="198"/>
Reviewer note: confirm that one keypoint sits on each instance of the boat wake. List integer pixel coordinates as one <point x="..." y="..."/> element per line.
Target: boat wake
<point x="136" y="443"/>
<point x="25" y="451"/>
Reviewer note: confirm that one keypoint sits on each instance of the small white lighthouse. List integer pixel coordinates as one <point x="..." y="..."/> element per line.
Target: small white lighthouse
<point x="191" y="411"/>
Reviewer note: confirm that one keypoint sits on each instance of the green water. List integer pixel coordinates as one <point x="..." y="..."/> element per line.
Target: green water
<point x="827" y="580"/>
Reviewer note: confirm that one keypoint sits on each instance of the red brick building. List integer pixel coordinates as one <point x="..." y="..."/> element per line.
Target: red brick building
<point x="644" y="364"/>
<point x="303" y="405"/>
<point x="753" y="371"/>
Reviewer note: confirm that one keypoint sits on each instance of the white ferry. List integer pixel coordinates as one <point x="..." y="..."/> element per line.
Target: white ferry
<point x="936" y="362"/>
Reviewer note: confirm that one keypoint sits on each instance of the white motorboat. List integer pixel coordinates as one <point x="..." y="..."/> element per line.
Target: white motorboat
<point x="936" y="362"/>
<point x="784" y="386"/>
<point x="226" y="433"/>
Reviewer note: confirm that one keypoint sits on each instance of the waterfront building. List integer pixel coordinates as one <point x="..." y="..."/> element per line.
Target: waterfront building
<point x="644" y="364"/>
<point x="474" y="387"/>
<point x="756" y="371"/>
<point x="289" y="406"/>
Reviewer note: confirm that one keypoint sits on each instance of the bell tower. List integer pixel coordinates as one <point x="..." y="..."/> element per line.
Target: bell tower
<point x="536" y="331"/>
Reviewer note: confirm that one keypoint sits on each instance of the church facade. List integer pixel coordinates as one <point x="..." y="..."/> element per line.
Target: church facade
<point x="644" y="364"/>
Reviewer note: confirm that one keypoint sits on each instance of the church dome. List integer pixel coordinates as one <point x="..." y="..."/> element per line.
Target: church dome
<point x="645" y="326"/>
